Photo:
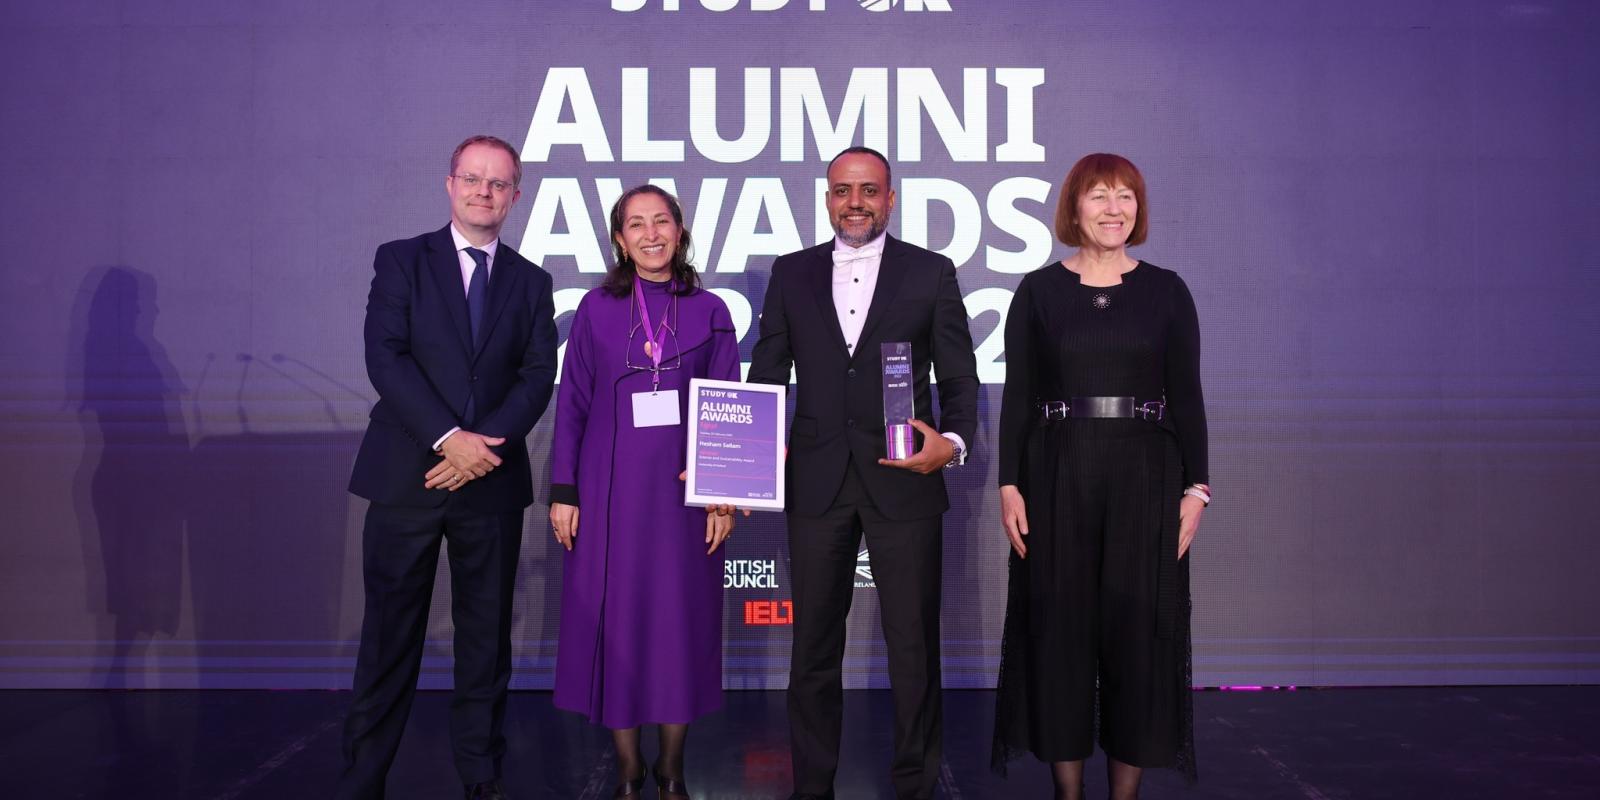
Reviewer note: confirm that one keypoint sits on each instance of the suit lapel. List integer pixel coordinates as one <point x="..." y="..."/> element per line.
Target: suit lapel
<point x="821" y="277"/>
<point x="502" y="280"/>
<point x="891" y="272"/>
<point x="446" y="268"/>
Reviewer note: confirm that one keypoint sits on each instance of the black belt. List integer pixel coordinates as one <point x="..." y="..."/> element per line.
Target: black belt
<point x="1102" y="408"/>
<point x="1171" y="609"/>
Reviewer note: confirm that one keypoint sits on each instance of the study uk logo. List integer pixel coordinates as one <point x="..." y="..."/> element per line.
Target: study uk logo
<point x="774" y="5"/>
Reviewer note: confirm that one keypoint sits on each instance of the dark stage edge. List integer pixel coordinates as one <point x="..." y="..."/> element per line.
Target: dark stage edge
<point x="1322" y="744"/>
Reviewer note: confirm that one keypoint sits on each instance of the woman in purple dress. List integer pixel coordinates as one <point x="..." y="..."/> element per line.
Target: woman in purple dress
<point x="641" y="600"/>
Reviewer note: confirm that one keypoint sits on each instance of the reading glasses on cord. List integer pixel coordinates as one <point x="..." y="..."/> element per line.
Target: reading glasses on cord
<point x="671" y="356"/>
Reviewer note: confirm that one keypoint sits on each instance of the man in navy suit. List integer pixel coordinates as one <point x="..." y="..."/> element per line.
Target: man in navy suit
<point x="461" y="346"/>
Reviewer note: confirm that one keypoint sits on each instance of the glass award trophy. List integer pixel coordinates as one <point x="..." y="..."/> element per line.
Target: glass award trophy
<point x="899" y="400"/>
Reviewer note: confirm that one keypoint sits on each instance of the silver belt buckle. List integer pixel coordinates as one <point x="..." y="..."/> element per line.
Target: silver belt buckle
<point x="1153" y="410"/>
<point x="1055" y="410"/>
<point x="1106" y="406"/>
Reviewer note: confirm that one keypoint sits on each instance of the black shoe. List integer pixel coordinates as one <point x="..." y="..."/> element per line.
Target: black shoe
<point x="669" y="787"/>
<point x="489" y="790"/>
<point x="631" y="788"/>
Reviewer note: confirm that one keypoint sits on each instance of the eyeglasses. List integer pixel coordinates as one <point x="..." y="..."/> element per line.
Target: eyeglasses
<point x="671" y="356"/>
<point x="666" y="336"/>
<point x="473" y="182"/>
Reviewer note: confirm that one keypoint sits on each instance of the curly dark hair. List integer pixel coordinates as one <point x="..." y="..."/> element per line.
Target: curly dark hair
<point x="619" y="280"/>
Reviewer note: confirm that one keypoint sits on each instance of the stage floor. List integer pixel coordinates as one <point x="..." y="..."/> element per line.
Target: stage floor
<point x="1500" y="742"/>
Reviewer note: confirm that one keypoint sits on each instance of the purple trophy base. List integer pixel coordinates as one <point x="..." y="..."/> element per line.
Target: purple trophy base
<point x="899" y="440"/>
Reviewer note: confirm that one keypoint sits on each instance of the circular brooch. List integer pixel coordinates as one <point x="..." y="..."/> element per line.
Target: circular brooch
<point x="1102" y="301"/>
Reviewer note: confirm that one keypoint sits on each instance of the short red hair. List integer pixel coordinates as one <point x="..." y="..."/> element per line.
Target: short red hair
<point x="1091" y="170"/>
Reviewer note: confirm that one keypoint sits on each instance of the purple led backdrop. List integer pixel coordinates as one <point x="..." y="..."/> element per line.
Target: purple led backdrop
<point x="1384" y="210"/>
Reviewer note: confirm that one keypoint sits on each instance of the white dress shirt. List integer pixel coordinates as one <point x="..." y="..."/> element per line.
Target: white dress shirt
<point x="855" y="277"/>
<point x="467" y="266"/>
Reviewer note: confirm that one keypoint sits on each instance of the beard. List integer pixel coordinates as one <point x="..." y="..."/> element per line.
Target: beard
<point x="876" y="229"/>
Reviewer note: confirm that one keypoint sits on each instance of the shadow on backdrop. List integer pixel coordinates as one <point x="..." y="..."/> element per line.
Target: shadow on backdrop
<point x="129" y="494"/>
<point x="130" y="488"/>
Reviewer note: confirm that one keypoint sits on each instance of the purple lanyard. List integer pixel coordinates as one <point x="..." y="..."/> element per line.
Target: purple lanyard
<point x="653" y="336"/>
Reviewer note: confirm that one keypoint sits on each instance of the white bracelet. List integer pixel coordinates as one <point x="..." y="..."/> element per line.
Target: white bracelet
<point x="1198" y="493"/>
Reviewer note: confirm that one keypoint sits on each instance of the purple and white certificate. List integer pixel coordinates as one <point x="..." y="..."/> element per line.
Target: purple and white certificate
<point x="735" y="444"/>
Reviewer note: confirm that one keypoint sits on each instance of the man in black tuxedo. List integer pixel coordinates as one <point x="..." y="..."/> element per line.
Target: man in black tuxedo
<point x="826" y="312"/>
<point x="461" y="346"/>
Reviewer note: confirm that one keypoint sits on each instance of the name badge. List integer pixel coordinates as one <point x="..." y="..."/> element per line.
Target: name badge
<point x="655" y="409"/>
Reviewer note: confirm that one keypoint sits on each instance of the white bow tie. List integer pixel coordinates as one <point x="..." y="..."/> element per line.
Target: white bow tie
<point x="843" y="257"/>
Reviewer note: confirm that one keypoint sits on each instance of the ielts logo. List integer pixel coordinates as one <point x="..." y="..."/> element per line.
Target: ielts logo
<point x="774" y="5"/>
<point x="769" y="612"/>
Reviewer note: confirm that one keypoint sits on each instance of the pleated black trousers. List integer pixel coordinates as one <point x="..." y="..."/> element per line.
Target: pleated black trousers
<point x="1097" y="618"/>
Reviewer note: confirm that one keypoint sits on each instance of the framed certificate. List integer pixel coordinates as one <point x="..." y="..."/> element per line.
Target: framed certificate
<point x="735" y="444"/>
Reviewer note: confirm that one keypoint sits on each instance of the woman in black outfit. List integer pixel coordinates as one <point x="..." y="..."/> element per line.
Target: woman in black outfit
<point x="1102" y="485"/>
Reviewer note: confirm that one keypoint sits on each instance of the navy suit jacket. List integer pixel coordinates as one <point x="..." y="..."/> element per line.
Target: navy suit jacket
<point x="838" y="412"/>
<point x="423" y="363"/>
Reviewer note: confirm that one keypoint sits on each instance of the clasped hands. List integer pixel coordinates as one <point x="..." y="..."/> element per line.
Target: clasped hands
<point x="467" y="457"/>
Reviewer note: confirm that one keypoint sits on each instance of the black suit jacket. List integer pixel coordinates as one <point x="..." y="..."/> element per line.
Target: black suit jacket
<point x="839" y="403"/>
<point x="423" y="363"/>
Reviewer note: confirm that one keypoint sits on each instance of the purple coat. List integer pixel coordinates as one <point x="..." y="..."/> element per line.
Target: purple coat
<point x="641" y="602"/>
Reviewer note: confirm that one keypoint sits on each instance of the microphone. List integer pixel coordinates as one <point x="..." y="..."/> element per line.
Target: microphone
<point x="194" y="398"/>
<point x="280" y="358"/>
<point x="238" y="396"/>
<point x="327" y="404"/>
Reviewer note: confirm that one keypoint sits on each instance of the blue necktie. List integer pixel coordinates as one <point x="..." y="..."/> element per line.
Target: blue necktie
<point x="477" y="287"/>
